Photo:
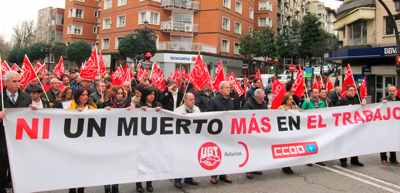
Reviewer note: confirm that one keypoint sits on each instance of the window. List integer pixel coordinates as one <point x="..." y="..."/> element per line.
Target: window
<point x="122" y="2"/>
<point x="227" y="3"/>
<point x="226" y="23"/>
<point x="264" y="22"/>
<point x="251" y="13"/>
<point x="150" y="17"/>
<point x="107" y="4"/>
<point x="97" y="13"/>
<point x="357" y="33"/>
<point x="237" y="48"/>
<point x="95" y="29"/>
<point x="105" y="44"/>
<point x="117" y="41"/>
<point x="154" y="18"/>
<point x="389" y="27"/>
<point x="121" y="21"/>
<point x="238" y="28"/>
<point x="265" y="5"/>
<point x="76" y="13"/>
<point x="75" y="29"/>
<point x="225" y="46"/>
<point x="238" y="6"/>
<point x="107" y="23"/>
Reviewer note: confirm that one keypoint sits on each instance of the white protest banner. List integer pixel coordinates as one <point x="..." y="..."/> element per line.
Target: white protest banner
<point x="58" y="149"/>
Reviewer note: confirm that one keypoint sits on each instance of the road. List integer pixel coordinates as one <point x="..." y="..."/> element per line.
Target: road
<point x="373" y="178"/>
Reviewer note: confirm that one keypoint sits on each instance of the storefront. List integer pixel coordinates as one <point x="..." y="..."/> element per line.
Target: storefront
<point x="377" y="64"/>
<point x="171" y="61"/>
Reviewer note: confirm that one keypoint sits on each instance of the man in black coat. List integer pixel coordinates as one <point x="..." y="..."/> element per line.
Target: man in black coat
<point x="221" y="102"/>
<point x="13" y="98"/>
<point x="203" y="99"/>
<point x="392" y="91"/>
<point x="257" y="101"/>
<point x="172" y="97"/>
<point x="351" y="98"/>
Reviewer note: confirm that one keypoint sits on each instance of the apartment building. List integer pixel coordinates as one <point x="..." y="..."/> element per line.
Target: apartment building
<point x="183" y="27"/>
<point x="80" y="20"/>
<point x="266" y="14"/>
<point x="289" y="11"/>
<point x="49" y="26"/>
<point x="326" y="15"/>
<point x="369" y="44"/>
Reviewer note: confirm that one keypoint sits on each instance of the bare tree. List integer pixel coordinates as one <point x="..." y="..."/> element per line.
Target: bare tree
<point x="4" y="47"/>
<point x="24" y="34"/>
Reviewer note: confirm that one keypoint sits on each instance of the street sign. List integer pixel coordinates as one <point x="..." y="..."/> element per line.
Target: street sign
<point x="308" y="72"/>
<point x="292" y="68"/>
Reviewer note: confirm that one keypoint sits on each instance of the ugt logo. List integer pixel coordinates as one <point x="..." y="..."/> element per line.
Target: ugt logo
<point x="32" y="131"/>
<point x="280" y="151"/>
<point x="209" y="156"/>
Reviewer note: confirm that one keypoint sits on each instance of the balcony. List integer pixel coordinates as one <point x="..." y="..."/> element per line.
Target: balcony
<point x="171" y="26"/>
<point x="180" y="4"/>
<point x="186" y="46"/>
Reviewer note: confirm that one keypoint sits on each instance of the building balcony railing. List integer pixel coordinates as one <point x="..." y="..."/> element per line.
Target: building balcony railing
<point x="180" y="4"/>
<point x="169" y="26"/>
<point x="187" y="47"/>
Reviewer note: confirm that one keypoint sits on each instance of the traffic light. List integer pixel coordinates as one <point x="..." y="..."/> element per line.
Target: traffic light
<point x="398" y="59"/>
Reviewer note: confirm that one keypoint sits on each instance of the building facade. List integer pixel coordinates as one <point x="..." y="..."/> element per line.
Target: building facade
<point x="50" y="23"/>
<point x="326" y="15"/>
<point x="81" y="20"/>
<point x="266" y="14"/>
<point x="183" y="27"/>
<point x="369" y="44"/>
<point x="289" y="11"/>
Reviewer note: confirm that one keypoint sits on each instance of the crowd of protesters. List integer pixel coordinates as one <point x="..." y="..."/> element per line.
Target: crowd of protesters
<point x="75" y="93"/>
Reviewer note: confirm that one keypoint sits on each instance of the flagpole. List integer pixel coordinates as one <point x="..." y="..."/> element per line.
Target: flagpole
<point x="1" y="85"/>
<point x="305" y="85"/>
<point x="41" y="85"/>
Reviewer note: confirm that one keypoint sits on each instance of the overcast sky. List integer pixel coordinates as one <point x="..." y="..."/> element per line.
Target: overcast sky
<point x="13" y="12"/>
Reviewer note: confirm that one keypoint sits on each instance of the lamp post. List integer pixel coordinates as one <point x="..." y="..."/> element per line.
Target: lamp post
<point x="396" y="31"/>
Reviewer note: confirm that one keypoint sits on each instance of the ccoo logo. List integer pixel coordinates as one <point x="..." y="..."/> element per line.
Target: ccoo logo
<point x="280" y="151"/>
<point x="209" y="156"/>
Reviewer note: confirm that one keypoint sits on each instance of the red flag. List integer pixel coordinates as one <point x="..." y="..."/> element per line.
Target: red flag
<point x="16" y="68"/>
<point x="102" y="66"/>
<point x="329" y="85"/>
<point x="128" y="76"/>
<point x="88" y="70"/>
<point x="117" y="77"/>
<point x="141" y="73"/>
<point x="363" y="89"/>
<point x="39" y="67"/>
<point x="348" y="80"/>
<point x="298" y="87"/>
<point x="200" y="77"/>
<point x="157" y="78"/>
<point x="236" y="84"/>
<point x="279" y="92"/>
<point x="177" y="77"/>
<point x="219" y="76"/>
<point x="246" y="84"/>
<point x="5" y="67"/>
<point x="274" y="85"/>
<point x="59" y="68"/>
<point x="28" y="73"/>
<point x="185" y="75"/>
